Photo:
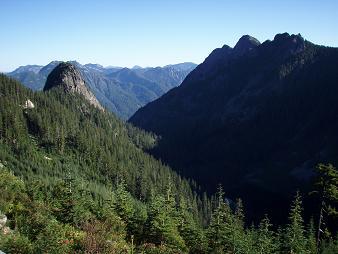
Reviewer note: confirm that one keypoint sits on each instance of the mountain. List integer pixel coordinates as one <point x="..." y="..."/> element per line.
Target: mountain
<point x="29" y="75"/>
<point x="69" y="170"/>
<point x="78" y="181"/>
<point x="56" y="134"/>
<point x="28" y="68"/>
<point x="67" y="77"/>
<point x="256" y="118"/>
<point x="187" y="66"/>
<point x="121" y="90"/>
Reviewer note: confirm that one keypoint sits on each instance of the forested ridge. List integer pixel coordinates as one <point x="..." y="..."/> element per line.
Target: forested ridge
<point x="257" y="117"/>
<point x="74" y="179"/>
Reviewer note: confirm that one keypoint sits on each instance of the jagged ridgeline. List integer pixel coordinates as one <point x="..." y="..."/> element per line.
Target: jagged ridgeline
<point x="256" y="117"/>
<point x="58" y="134"/>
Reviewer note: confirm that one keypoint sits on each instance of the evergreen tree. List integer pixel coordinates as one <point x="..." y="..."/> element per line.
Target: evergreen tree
<point x="327" y="188"/>
<point x="163" y="222"/>
<point x="266" y="239"/>
<point x="251" y="237"/>
<point x="239" y="239"/>
<point x="190" y="231"/>
<point x="220" y="228"/>
<point x="63" y="202"/>
<point x="123" y="202"/>
<point x="327" y="185"/>
<point x="294" y="234"/>
<point x="311" y="246"/>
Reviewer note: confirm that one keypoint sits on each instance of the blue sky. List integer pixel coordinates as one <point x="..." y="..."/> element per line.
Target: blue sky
<point x="148" y="32"/>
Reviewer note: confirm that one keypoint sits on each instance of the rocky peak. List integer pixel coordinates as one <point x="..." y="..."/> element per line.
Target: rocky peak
<point x="245" y="44"/>
<point x="66" y="76"/>
<point x="219" y="54"/>
<point x="292" y="44"/>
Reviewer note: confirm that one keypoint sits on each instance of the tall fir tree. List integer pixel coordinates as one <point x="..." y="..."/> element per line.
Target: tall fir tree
<point x="219" y="230"/>
<point x="294" y="234"/>
<point x="266" y="241"/>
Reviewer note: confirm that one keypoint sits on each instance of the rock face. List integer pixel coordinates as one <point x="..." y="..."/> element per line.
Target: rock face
<point x="65" y="75"/>
<point x="3" y="220"/>
<point x="28" y="104"/>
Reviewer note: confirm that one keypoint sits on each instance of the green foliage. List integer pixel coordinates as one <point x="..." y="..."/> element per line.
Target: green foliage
<point x="80" y="189"/>
<point x="267" y="242"/>
<point x="330" y="247"/>
<point x="55" y="238"/>
<point x="294" y="234"/>
<point x="63" y="135"/>
<point x="162" y="223"/>
<point x="191" y="232"/>
<point x="43" y="224"/>
<point x="327" y="186"/>
<point x="220" y="228"/>
<point x="16" y="243"/>
<point x="311" y="245"/>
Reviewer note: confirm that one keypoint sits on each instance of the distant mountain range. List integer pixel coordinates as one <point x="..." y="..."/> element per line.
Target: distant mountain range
<point x="256" y="118"/>
<point x="121" y="90"/>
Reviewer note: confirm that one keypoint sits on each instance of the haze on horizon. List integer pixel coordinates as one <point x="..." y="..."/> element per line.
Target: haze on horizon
<point x="150" y="33"/>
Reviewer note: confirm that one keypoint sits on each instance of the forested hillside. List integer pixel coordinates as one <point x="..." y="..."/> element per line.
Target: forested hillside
<point x="74" y="179"/>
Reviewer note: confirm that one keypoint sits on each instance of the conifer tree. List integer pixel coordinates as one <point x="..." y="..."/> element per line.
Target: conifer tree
<point x="266" y="240"/>
<point x="189" y="230"/>
<point x="220" y="228"/>
<point x="123" y="203"/>
<point x="163" y="222"/>
<point x="311" y="246"/>
<point x="239" y="241"/>
<point x="63" y="202"/>
<point x="327" y="188"/>
<point x="294" y="234"/>
<point x="250" y="240"/>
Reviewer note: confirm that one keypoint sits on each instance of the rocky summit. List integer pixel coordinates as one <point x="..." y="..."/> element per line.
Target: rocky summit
<point x="66" y="76"/>
<point x="245" y="43"/>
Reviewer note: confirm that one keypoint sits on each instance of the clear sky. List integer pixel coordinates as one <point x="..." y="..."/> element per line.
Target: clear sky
<point x="149" y="32"/>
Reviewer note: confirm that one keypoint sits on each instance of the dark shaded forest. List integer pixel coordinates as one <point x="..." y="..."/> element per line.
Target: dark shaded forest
<point x="257" y="117"/>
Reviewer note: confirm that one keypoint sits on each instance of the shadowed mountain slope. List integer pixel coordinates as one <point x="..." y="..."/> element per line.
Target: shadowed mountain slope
<point x="256" y="118"/>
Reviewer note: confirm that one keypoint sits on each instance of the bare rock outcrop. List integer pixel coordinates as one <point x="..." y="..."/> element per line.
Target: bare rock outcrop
<point x="66" y="76"/>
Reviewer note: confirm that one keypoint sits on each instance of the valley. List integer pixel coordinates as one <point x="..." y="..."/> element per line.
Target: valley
<point x="121" y="90"/>
<point x="169" y="127"/>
